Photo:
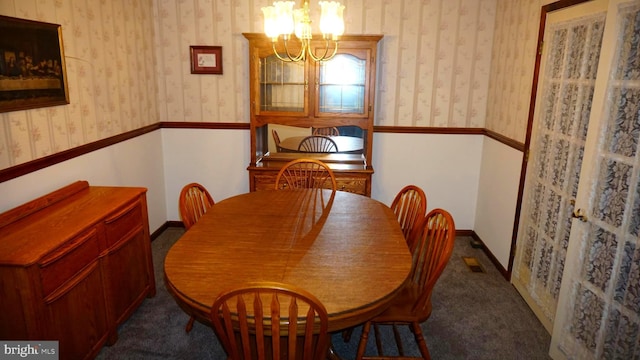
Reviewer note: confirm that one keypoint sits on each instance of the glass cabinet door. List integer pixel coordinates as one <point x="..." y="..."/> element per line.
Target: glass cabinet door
<point x="341" y="85"/>
<point x="282" y="85"/>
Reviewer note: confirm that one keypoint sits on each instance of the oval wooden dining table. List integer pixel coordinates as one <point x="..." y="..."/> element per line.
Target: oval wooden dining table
<point x="346" y="249"/>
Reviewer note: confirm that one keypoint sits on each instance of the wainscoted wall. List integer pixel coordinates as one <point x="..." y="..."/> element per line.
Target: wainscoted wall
<point x="128" y="66"/>
<point x="444" y="63"/>
<point x="110" y="62"/>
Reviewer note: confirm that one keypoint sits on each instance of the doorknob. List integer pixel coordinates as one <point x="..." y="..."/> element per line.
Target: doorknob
<point x="580" y="215"/>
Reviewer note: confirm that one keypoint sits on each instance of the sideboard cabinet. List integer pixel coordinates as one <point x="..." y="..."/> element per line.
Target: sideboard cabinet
<point x="74" y="265"/>
<point x="298" y="97"/>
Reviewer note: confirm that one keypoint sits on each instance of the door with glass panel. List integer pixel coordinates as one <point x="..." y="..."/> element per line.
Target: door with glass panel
<point x="598" y="313"/>
<point x="568" y="71"/>
<point x="578" y="258"/>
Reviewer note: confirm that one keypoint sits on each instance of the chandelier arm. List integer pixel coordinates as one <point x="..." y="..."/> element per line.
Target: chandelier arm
<point x="326" y="51"/>
<point x="275" y="52"/>
<point x="298" y="57"/>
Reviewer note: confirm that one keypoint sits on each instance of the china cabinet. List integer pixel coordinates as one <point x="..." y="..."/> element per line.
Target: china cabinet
<point x="305" y="95"/>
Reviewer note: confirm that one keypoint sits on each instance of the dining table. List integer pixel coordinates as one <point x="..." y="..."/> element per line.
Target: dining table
<point x="345" y="144"/>
<point x="346" y="249"/>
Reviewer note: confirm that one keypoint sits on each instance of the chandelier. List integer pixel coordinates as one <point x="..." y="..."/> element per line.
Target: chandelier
<point x="282" y="19"/>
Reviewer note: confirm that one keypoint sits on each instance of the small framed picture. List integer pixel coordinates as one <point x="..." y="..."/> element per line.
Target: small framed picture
<point x="206" y="59"/>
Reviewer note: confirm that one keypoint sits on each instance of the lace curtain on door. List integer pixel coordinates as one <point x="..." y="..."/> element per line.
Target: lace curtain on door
<point x="605" y="291"/>
<point x="573" y="50"/>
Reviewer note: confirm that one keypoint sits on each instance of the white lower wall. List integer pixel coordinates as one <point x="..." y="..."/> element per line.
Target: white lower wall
<point x="497" y="197"/>
<point x="217" y="159"/>
<point x="135" y="162"/>
<point x="476" y="182"/>
<point x="446" y="167"/>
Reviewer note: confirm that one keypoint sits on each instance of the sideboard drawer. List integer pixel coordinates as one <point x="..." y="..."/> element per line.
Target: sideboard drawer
<point x="64" y="262"/>
<point x="122" y="223"/>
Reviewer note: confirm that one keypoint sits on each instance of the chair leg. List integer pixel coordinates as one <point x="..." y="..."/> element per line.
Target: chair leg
<point x="189" y="324"/>
<point x="346" y="335"/>
<point x="396" y="335"/>
<point x="376" y="330"/>
<point x="422" y="345"/>
<point x="363" y="340"/>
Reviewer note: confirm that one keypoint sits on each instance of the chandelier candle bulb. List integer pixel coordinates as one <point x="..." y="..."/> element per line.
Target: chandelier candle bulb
<point x="282" y="19"/>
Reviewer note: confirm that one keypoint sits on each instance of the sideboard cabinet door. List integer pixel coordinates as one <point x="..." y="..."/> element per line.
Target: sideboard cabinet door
<point x="127" y="260"/>
<point x="76" y="316"/>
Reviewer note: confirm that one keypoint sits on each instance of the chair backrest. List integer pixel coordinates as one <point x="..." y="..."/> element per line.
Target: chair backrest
<point x="306" y="173"/>
<point x="193" y="202"/>
<point x="327" y="131"/>
<point x="410" y="206"/>
<point x="317" y="144"/>
<point x="431" y="252"/>
<point x="276" y="138"/>
<point x="271" y="321"/>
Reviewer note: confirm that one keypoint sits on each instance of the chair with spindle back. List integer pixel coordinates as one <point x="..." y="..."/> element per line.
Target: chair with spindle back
<point x="271" y="321"/>
<point x="306" y="173"/>
<point x="276" y="139"/>
<point x="193" y="202"/>
<point x="317" y="144"/>
<point x="431" y="251"/>
<point x="410" y="206"/>
<point x="326" y="131"/>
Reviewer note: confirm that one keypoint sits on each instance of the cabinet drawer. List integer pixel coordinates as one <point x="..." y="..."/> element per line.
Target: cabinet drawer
<point x="264" y="181"/>
<point x="353" y="185"/>
<point x="64" y="262"/>
<point x="123" y="222"/>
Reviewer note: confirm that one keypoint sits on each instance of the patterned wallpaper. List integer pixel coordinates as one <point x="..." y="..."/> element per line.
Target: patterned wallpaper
<point x="108" y="48"/>
<point x="514" y="52"/>
<point x="128" y="65"/>
<point x="435" y="58"/>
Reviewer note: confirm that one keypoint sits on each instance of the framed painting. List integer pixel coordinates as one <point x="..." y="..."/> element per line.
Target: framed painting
<point x="32" y="66"/>
<point x="206" y="59"/>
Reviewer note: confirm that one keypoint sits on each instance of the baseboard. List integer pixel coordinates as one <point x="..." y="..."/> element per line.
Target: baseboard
<point x="165" y="226"/>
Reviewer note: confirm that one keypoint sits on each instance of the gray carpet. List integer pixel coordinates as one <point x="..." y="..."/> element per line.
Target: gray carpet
<point x="475" y="316"/>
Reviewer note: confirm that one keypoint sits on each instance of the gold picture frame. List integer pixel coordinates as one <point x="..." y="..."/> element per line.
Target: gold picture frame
<point x="32" y="65"/>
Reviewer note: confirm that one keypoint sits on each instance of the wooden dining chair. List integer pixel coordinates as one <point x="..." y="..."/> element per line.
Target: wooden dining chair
<point x="431" y="252"/>
<point x="317" y="144"/>
<point x="276" y="139"/>
<point x="326" y="131"/>
<point x="410" y="206"/>
<point x="306" y="173"/>
<point x="271" y="321"/>
<point x="193" y="202"/>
